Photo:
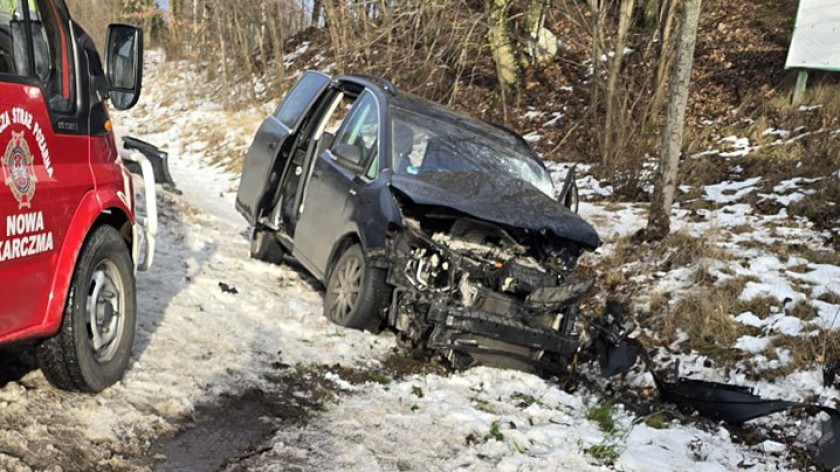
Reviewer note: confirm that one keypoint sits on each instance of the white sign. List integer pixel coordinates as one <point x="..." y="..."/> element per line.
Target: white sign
<point x="816" y="36"/>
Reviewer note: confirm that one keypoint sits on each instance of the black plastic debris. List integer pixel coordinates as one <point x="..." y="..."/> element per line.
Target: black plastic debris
<point x="618" y="359"/>
<point x="158" y="158"/>
<point x="228" y="288"/>
<point x="733" y="404"/>
<point x="829" y="444"/>
<point x="618" y="353"/>
<point x="830" y="373"/>
<point x="736" y="404"/>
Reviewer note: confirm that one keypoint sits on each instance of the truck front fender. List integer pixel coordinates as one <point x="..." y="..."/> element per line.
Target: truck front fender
<point x="93" y="206"/>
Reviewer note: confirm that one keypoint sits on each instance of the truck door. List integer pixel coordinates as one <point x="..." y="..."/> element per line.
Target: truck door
<point x="44" y="161"/>
<point x="265" y="161"/>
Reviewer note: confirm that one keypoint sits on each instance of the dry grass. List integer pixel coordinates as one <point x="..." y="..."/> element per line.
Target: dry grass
<point x="675" y="250"/>
<point x="701" y="171"/>
<point x="830" y="297"/>
<point x="823" y="206"/>
<point x="741" y="229"/>
<point x="816" y="256"/>
<point x="760" y="306"/>
<point x="805" y="311"/>
<point x="706" y="316"/>
<point x="784" y="251"/>
<point x="806" y="352"/>
<point x="683" y="249"/>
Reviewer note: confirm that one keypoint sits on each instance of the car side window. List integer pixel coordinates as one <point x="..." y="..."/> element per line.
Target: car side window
<point x="357" y="139"/>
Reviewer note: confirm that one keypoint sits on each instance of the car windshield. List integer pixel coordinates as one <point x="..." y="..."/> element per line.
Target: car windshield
<point x="426" y="144"/>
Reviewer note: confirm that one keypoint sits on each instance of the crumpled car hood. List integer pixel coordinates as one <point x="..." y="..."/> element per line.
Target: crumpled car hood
<point x="498" y="199"/>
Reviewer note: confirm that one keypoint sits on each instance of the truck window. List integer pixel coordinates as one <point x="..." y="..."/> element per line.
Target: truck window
<point x="12" y="39"/>
<point x="50" y="42"/>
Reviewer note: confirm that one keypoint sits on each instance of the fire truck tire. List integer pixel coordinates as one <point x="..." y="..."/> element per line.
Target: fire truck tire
<point x="92" y="348"/>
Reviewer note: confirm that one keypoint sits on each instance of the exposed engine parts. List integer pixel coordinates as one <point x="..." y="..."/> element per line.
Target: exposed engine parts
<point x="473" y="292"/>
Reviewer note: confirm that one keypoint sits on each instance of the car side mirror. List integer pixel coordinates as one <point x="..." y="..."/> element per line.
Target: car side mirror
<point x="124" y="65"/>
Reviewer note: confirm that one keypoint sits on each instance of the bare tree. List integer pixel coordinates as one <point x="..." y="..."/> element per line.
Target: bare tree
<point x="659" y="222"/>
<point x="612" y="105"/>
<point x="502" y="48"/>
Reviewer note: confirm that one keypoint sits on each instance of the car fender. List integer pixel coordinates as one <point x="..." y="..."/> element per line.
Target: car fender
<point x="93" y="205"/>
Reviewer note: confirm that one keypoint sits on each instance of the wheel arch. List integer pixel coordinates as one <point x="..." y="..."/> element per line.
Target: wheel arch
<point x="96" y="209"/>
<point x="338" y="249"/>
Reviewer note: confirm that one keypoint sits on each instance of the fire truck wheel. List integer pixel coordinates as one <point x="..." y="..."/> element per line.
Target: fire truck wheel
<point x="92" y="349"/>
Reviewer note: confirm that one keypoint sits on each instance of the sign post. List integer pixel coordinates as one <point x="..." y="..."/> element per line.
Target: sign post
<point x="815" y="44"/>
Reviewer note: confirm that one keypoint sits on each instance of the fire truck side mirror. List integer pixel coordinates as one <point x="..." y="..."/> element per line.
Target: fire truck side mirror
<point x="124" y="64"/>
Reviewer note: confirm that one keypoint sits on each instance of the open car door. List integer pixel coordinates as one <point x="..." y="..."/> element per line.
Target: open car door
<point x="267" y="155"/>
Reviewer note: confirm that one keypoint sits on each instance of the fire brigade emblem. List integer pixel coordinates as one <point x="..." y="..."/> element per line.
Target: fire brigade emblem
<point x="19" y="170"/>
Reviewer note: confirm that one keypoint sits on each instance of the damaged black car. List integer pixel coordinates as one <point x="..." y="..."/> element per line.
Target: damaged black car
<point x="415" y="217"/>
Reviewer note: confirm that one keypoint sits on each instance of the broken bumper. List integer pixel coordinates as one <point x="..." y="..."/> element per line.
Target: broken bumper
<point x="736" y="404"/>
<point x="467" y="330"/>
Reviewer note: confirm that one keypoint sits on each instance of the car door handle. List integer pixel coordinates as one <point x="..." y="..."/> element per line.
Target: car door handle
<point x="272" y="146"/>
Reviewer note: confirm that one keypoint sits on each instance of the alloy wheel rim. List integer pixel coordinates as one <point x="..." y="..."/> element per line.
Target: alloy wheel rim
<point x="346" y="288"/>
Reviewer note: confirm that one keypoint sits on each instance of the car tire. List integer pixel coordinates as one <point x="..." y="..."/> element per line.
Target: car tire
<point x="265" y="247"/>
<point x="92" y="348"/>
<point x="356" y="293"/>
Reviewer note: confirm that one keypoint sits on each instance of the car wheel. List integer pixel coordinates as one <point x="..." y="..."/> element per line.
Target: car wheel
<point x="265" y="247"/>
<point x="356" y="292"/>
<point x="92" y="348"/>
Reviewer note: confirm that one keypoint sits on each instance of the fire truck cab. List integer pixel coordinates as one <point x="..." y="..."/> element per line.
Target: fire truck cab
<point x="70" y="241"/>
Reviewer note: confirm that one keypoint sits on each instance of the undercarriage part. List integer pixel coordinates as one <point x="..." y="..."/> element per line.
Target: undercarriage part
<point x="520" y="279"/>
<point x="495" y="303"/>
<point x="555" y="298"/>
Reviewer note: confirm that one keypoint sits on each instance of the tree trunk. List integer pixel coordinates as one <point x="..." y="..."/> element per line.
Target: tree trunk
<point x="659" y="222"/>
<point x="220" y="22"/>
<point x="317" y="8"/>
<point x="507" y="69"/>
<point x="599" y="13"/>
<point x="666" y="46"/>
<point x="611" y="126"/>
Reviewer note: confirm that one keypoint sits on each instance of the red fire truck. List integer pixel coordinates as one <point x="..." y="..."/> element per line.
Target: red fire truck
<point x="70" y="238"/>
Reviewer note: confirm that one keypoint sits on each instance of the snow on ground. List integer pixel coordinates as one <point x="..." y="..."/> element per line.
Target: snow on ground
<point x="197" y="342"/>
